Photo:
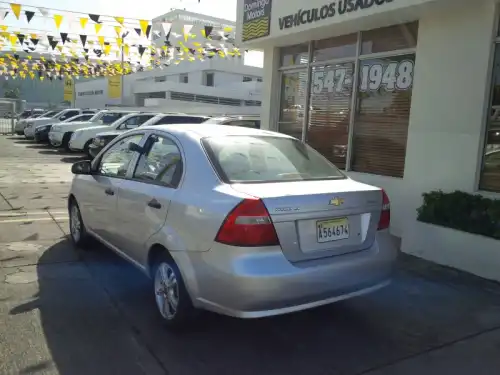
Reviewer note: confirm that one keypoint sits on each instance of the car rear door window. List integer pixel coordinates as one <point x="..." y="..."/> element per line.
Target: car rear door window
<point x="116" y="160"/>
<point x="161" y="163"/>
<point x="69" y="114"/>
<point x="83" y="118"/>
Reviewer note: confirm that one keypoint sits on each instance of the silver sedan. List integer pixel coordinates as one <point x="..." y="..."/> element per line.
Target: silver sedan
<point x="243" y="222"/>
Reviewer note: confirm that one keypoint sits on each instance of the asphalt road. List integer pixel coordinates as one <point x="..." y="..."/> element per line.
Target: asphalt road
<point x="68" y="312"/>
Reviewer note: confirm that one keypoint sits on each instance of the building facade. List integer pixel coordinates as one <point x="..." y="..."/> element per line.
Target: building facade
<point x="402" y="94"/>
<point x="218" y="85"/>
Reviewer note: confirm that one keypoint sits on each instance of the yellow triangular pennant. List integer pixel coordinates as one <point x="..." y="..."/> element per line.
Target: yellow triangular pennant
<point x="118" y="31"/>
<point x="16" y="8"/>
<point x="144" y="25"/>
<point x="13" y="39"/>
<point x="107" y="49"/>
<point x="120" y="20"/>
<point x="101" y="39"/>
<point x="119" y="42"/>
<point x="83" y="22"/>
<point x="98" y="28"/>
<point x="58" y="19"/>
<point x="4" y="28"/>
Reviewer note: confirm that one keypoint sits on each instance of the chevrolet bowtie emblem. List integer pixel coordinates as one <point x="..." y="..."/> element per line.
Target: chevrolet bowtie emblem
<point x="336" y="201"/>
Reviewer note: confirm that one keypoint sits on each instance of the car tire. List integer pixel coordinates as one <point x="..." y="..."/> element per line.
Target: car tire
<point x="77" y="230"/>
<point x="86" y="148"/>
<point x="65" y="141"/>
<point x="172" y="298"/>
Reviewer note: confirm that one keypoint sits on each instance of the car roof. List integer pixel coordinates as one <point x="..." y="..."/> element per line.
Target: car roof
<point x="207" y="130"/>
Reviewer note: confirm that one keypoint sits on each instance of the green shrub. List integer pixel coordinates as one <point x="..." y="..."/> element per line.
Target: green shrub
<point x="471" y="213"/>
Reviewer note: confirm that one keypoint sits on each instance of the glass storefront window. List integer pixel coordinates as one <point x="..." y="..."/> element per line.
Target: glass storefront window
<point x="335" y="48"/>
<point x="330" y="101"/>
<point x="295" y="55"/>
<point x="293" y="93"/>
<point x="382" y="115"/>
<point x="376" y="143"/>
<point x="490" y="172"/>
<point x="390" y="38"/>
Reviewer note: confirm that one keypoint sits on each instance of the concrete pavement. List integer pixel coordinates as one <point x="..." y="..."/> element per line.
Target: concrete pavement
<point x="68" y="312"/>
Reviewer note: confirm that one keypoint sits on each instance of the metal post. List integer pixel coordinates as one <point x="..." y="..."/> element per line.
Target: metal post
<point x="124" y="35"/>
<point x="12" y="120"/>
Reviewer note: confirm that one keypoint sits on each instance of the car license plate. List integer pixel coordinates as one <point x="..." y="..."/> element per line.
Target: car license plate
<point x="332" y="230"/>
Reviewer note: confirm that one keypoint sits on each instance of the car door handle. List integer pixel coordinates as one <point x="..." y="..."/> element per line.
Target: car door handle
<point x="153" y="203"/>
<point x="108" y="191"/>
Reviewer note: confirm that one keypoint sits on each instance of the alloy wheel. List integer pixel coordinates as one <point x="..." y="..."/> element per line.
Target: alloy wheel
<point x="166" y="290"/>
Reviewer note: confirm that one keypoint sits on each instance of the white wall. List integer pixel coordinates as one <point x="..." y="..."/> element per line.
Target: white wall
<point x="449" y="106"/>
<point x="101" y="100"/>
<point x="163" y="105"/>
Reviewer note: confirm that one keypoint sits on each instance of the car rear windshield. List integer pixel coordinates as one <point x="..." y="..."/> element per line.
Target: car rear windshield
<point x="250" y="159"/>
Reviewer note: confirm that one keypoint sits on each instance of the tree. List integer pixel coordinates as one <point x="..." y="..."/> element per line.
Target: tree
<point x="11" y="92"/>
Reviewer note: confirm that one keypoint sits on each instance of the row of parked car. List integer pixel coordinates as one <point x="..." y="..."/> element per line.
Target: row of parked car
<point x="90" y="130"/>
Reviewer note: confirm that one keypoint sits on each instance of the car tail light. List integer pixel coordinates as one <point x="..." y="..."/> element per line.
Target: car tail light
<point x="385" y="215"/>
<point x="248" y="224"/>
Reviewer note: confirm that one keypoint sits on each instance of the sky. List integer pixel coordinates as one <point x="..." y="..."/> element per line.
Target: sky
<point x="138" y="9"/>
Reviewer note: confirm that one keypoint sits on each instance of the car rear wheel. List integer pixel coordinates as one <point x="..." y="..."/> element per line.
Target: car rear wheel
<point x="86" y="147"/>
<point x="172" y="299"/>
<point x="78" y="232"/>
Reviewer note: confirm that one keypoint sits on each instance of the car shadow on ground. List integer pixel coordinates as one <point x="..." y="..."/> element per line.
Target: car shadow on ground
<point x="74" y="159"/>
<point x="38" y="146"/>
<point x="24" y="141"/>
<point x="56" y="151"/>
<point x="98" y="312"/>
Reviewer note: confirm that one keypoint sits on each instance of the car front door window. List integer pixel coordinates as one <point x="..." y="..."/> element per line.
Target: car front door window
<point x="161" y="164"/>
<point x="116" y="160"/>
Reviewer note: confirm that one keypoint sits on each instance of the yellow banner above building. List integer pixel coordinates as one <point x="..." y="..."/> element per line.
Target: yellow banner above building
<point x="114" y="87"/>
<point x="69" y="90"/>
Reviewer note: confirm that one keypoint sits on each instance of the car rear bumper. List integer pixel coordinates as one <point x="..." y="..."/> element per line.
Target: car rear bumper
<point x="262" y="282"/>
<point x="76" y="147"/>
<point x="55" y="138"/>
<point x="29" y="133"/>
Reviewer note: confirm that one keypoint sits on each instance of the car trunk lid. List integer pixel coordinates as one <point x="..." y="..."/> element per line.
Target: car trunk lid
<point x="319" y="219"/>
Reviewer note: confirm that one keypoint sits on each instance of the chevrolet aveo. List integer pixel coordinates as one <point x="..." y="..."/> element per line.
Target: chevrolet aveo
<point x="243" y="222"/>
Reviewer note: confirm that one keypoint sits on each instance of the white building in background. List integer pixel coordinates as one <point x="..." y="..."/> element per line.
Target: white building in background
<point x="214" y="85"/>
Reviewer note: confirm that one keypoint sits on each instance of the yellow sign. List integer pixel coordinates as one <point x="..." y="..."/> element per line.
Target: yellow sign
<point x="336" y="201"/>
<point x="115" y="87"/>
<point x="69" y="89"/>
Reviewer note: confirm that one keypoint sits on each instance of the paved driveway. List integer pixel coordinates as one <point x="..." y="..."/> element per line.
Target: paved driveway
<point x="71" y="313"/>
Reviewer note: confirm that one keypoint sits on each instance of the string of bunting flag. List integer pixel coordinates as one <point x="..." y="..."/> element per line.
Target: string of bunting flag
<point x="93" y="45"/>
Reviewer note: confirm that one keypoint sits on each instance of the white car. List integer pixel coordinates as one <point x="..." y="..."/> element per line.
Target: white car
<point x="82" y="138"/>
<point x="29" y="130"/>
<point x="22" y="123"/>
<point x="60" y="134"/>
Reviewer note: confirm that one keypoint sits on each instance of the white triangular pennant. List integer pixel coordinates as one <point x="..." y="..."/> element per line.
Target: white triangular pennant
<point x="44" y="11"/>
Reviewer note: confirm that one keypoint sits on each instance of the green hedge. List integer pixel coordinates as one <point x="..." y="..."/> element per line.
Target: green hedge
<point x="458" y="210"/>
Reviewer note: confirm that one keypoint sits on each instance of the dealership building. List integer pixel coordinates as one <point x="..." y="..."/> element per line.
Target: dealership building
<point x="401" y="94"/>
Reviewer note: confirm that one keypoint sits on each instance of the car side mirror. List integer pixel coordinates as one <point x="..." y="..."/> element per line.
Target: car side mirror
<point x="135" y="147"/>
<point x="81" y="167"/>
